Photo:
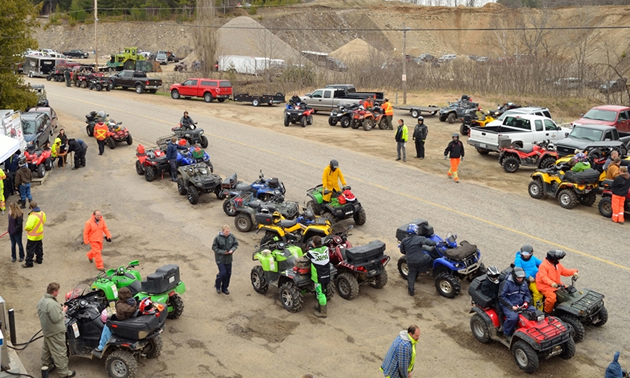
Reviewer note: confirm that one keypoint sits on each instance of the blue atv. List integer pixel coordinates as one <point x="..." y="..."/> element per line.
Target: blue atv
<point x="192" y="156"/>
<point x="262" y="189"/>
<point x="450" y="262"/>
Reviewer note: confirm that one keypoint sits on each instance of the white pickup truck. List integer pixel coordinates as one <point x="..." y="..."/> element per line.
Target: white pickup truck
<point x="523" y="130"/>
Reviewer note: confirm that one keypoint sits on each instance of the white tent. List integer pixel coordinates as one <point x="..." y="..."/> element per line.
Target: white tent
<point x="8" y="146"/>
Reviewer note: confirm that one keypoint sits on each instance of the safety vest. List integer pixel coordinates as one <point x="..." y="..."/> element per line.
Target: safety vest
<point x="37" y="232"/>
<point x="100" y="131"/>
<point x="388" y="109"/>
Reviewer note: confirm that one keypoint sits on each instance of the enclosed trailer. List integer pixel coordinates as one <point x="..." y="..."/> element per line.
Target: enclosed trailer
<point x="38" y="66"/>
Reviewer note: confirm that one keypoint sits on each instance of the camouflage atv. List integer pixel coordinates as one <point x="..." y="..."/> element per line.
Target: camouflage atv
<point x="197" y="179"/>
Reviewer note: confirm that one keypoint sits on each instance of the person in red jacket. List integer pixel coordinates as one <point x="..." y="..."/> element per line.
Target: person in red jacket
<point x="548" y="277"/>
<point x="93" y="233"/>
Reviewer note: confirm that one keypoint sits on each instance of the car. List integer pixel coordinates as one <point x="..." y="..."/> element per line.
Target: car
<point x="426" y="58"/>
<point x="37" y="128"/>
<point x="608" y="115"/>
<point x="162" y="58"/>
<point x="613" y="86"/>
<point x="568" y="83"/>
<point x="76" y="54"/>
<point x="51" y="113"/>
<point x="532" y="110"/>
<point x="447" y="58"/>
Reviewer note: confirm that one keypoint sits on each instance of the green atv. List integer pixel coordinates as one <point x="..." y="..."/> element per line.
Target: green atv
<point x="197" y="179"/>
<point x="284" y="266"/>
<point x="163" y="286"/>
<point x="342" y="206"/>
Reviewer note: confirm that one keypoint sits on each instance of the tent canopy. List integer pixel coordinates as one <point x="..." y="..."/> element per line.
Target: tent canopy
<point x="8" y="146"/>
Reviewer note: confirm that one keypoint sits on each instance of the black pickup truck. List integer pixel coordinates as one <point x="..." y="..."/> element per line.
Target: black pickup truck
<point x="76" y="54"/>
<point x="134" y="79"/>
<point x="593" y="138"/>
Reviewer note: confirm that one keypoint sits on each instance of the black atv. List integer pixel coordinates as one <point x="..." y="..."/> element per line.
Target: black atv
<point x="192" y="134"/>
<point x="343" y="115"/>
<point x="246" y="211"/>
<point x="298" y="113"/>
<point x="197" y="179"/>
<point x="455" y="110"/>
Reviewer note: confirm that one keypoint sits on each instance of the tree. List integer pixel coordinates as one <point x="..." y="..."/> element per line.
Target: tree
<point x="205" y="35"/>
<point x="17" y="20"/>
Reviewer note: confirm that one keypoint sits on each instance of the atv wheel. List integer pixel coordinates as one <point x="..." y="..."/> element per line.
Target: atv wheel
<point x="535" y="189"/>
<point x="605" y="207"/>
<point x="576" y="328"/>
<point x="382" y="125"/>
<point x="360" y="217"/>
<point x="403" y="269"/>
<point x="111" y="144"/>
<point x="110" y="86"/>
<point x="380" y="280"/>
<point x="150" y="173"/>
<point x="139" y="89"/>
<point x="368" y="124"/>
<point x="176" y="304"/>
<point x="83" y="84"/>
<point x="355" y="124"/>
<point x="447" y="285"/>
<point x="310" y="205"/>
<point x="510" y="164"/>
<point x="286" y="120"/>
<point x="415" y="113"/>
<point x="291" y="298"/>
<point x="347" y="286"/>
<point x="451" y="118"/>
<point x="88" y="131"/>
<point x="547" y="162"/>
<point x="327" y="215"/>
<point x="309" y="120"/>
<point x="601" y="318"/>
<point x="181" y="188"/>
<point x="41" y="170"/>
<point x="48" y="78"/>
<point x="229" y="207"/>
<point x="48" y="164"/>
<point x="193" y="195"/>
<point x="204" y="141"/>
<point x="153" y="348"/>
<point x="207" y="97"/>
<point x="345" y="122"/>
<point x="303" y="121"/>
<point x="568" y="350"/>
<point x="479" y="328"/>
<point x="463" y="129"/>
<point x="139" y="168"/>
<point x="259" y="281"/>
<point x="219" y="193"/>
<point x="442" y="119"/>
<point x="525" y="357"/>
<point x="243" y="222"/>
<point x="98" y="87"/>
<point x="332" y="121"/>
<point x="129" y="140"/>
<point x="482" y="151"/>
<point x="588" y="199"/>
<point x="121" y="364"/>
<point x="175" y="94"/>
<point x="567" y="198"/>
<point x="330" y="292"/>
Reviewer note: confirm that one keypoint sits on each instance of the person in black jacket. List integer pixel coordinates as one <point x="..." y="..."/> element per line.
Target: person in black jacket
<point x="171" y="156"/>
<point x="456" y="150"/>
<point x="417" y="259"/>
<point x="490" y="289"/>
<point x="80" y="149"/>
<point x="11" y="166"/>
<point x="419" y="135"/>
<point x="619" y="188"/>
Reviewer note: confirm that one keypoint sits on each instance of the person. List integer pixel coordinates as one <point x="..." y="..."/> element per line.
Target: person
<point x="525" y="259"/>
<point x="3" y="177"/>
<point x="66" y="74"/>
<point x="548" y="277"/>
<point x="171" y="156"/>
<point x="418" y="261"/>
<point x="330" y="180"/>
<point x="401" y="140"/>
<point x="16" y="220"/>
<point x="420" y="135"/>
<point x="62" y="135"/>
<point x="580" y="162"/>
<point x="23" y="179"/>
<point x="514" y="294"/>
<point x="51" y="317"/>
<point x="34" y="234"/>
<point x="619" y="189"/>
<point x="368" y="103"/>
<point x="613" y="155"/>
<point x="401" y="356"/>
<point x="456" y="150"/>
<point x="101" y="132"/>
<point x="80" y="149"/>
<point x="11" y="165"/>
<point x="224" y="246"/>
<point x="320" y="274"/>
<point x="613" y="169"/>
<point x="126" y="306"/>
<point x="186" y="123"/>
<point x="490" y="288"/>
<point x="295" y="99"/>
<point x="58" y="151"/>
<point x="388" y="111"/>
<point x="93" y="232"/>
<point x="614" y="369"/>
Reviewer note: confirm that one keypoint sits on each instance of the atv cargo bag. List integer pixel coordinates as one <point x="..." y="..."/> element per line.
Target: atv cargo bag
<point x="401" y="232"/>
<point x="274" y="183"/>
<point x="475" y="292"/>
<point x="163" y="280"/>
<point x="365" y="253"/>
<point x="464" y="250"/>
<point x="137" y="328"/>
<point x="587" y="176"/>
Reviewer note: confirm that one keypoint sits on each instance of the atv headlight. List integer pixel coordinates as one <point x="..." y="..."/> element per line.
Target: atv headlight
<point x="541" y="317"/>
<point x="200" y="132"/>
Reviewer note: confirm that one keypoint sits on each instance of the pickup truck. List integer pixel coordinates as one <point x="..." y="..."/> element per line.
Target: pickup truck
<point x="592" y="138"/>
<point x="329" y="98"/>
<point x="608" y="115"/>
<point x="209" y="89"/>
<point x="76" y="54"/>
<point x="134" y="79"/>
<point x="523" y="131"/>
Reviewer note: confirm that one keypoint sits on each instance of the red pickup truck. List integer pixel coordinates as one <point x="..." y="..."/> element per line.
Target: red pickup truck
<point x="609" y="115"/>
<point x="209" y="89"/>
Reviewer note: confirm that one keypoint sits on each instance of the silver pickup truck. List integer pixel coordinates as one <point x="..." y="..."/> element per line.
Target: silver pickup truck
<point x="328" y="98"/>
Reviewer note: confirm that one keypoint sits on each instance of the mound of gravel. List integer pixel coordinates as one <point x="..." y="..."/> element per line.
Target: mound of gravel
<point x="356" y="50"/>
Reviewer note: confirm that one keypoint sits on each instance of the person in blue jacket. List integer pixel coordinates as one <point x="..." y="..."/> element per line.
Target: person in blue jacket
<point x="525" y="259"/>
<point x="513" y="295"/>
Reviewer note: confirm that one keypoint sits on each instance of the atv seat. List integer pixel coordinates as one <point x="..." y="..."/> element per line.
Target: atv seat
<point x="287" y="223"/>
<point x="523" y="150"/>
<point x="243" y="187"/>
<point x="161" y="159"/>
<point x="460" y="253"/>
<point x="255" y="204"/>
<point x="137" y="328"/>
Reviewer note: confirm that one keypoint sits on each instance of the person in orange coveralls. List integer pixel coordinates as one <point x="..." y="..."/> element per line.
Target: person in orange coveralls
<point x="548" y="277"/>
<point x="93" y="233"/>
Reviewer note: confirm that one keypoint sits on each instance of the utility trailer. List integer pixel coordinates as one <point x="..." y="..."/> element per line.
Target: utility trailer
<point x="256" y="100"/>
<point x="416" y="111"/>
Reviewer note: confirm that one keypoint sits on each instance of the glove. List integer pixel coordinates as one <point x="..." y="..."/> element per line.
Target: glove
<point x="525" y="305"/>
<point x="461" y="158"/>
<point x="109" y="240"/>
<point x="445" y="157"/>
<point x="576" y="275"/>
<point x="422" y="140"/>
<point x="532" y="279"/>
<point x="554" y="285"/>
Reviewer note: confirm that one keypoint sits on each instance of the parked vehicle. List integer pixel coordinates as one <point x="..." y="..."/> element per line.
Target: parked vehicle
<point x="566" y="186"/>
<point x="343" y="206"/>
<point x="543" y="155"/>
<point x="197" y="179"/>
<point x="38" y="66"/>
<point x="246" y="206"/>
<point x="11" y="126"/>
<point x="455" y="110"/>
<point x="513" y="110"/>
<point x="117" y="134"/>
<point x="99" y="82"/>
<point x="352" y="92"/>
<point x="607" y="115"/>
<point x="416" y="111"/>
<point x="471" y="119"/>
<point x="125" y="60"/>
<point x="37" y="128"/>
<point x="605" y="204"/>
<point x="194" y="136"/>
<point x="328" y="98"/>
<point x="134" y="79"/>
<point x="39" y="161"/>
<point x="256" y="100"/>
<point x="208" y="89"/>
<point x="447" y="58"/>
<point x="300" y="230"/>
<point x="161" y="58"/>
<point x="593" y="137"/>
<point x="263" y="189"/>
<point x="249" y="65"/>
<point x="343" y="115"/>
<point x="76" y="54"/>
<point x="298" y="113"/>
<point x="51" y="114"/>
<point x="613" y="86"/>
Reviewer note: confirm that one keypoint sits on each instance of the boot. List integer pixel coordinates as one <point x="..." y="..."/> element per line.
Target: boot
<point x="322" y="313"/>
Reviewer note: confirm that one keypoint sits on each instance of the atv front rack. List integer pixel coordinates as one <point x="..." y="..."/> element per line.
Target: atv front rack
<point x="588" y="303"/>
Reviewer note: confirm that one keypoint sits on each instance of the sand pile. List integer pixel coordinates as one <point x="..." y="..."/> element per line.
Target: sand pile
<point x="356" y="50"/>
<point x="245" y="36"/>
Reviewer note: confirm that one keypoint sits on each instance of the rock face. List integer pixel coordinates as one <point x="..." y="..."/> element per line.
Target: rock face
<point x="245" y="36"/>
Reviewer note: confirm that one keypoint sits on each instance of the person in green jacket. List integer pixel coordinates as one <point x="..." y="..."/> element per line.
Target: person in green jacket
<point x="224" y="246"/>
<point x="320" y="274"/>
<point x="581" y="163"/>
<point x="51" y="316"/>
<point x="401" y="139"/>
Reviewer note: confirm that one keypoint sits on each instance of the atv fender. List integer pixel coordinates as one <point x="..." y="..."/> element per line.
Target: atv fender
<point x="492" y="321"/>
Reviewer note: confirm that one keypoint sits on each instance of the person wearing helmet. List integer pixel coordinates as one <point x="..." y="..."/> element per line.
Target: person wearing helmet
<point x="420" y="133"/>
<point x="514" y="295"/>
<point x="490" y="288"/>
<point x="525" y="259"/>
<point x="481" y="116"/>
<point x="320" y="274"/>
<point x="401" y="139"/>
<point x="22" y="182"/>
<point x="330" y="180"/>
<point x="126" y="306"/>
<point x="580" y="162"/>
<point x="418" y="260"/>
<point x="548" y="277"/>
<point x="456" y="150"/>
<point x="187" y="123"/>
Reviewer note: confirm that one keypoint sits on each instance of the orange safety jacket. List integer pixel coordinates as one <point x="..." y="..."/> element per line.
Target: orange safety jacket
<point x="100" y="131"/>
<point x="93" y="232"/>
<point x="35" y="225"/>
<point x="549" y="274"/>
<point x="388" y="109"/>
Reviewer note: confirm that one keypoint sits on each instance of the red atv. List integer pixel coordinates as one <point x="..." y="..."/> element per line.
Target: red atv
<point x="151" y="163"/>
<point x="542" y="155"/>
<point x="117" y="134"/>
<point x="605" y="204"/>
<point x="39" y="161"/>
<point x="535" y="337"/>
<point x="356" y="265"/>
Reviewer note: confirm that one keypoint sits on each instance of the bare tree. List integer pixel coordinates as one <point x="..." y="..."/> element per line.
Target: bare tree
<point x="536" y="36"/>
<point x="205" y="35"/>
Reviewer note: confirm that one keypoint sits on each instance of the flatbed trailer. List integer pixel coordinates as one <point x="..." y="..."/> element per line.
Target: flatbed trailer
<point x="256" y="100"/>
<point x="416" y="111"/>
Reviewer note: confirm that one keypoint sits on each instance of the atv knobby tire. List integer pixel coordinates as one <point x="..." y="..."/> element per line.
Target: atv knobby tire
<point x="511" y="164"/>
<point x="153" y="348"/>
<point x="41" y="170"/>
<point x="447" y="285"/>
<point x="121" y="364"/>
<point x="347" y="285"/>
<point x="605" y="207"/>
<point x="567" y="198"/>
<point x="479" y="328"/>
<point x="219" y="192"/>
<point x="177" y="304"/>
<point x="286" y="120"/>
<point x="525" y="356"/>
<point x="88" y="130"/>
<point x="568" y="350"/>
<point x="139" y="168"/>
<point x="129" y="140"/>
<point x="110" y="143"/>
<point x="601" y="318"/>
<point x="576" y="328"/>
<point x="368" y="124"/>
<point x="332" y="121"/>
<point x="451" y="118"/>
<point x="380" y="280"/>
<point x="291" y="298"/>
<point x="150" y="173"/>
<point x="181" y="188"/>
<point x="355" y="124"/>
<point x="193" y="195"/>
<point x="482" y="151"/>
<point x="535" y="189"/>
<point x="463" y="129"/>
<point x="204" y="141"/>
<point x="345" y="122"/>
<point x="359" y="217"/>
<point x="259" y="281"/>
<point x="588" y="199"/>
<point x="243" y="222"/>
<point x="403" y="269"/>
<point x="303" y="121"/>
<point x="229" y="207"/>
<point x="547" y="162"/>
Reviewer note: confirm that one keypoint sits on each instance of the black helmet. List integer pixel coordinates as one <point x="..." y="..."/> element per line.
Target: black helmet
<point x="526" y="252"/>
<point x="334" y="164"/>
<point x="555" y="255"/>
<point x="420" y="118"/>
<point x="455" y="135"/>
<point x="493" y="274"/>
<point x="22" y="160"/>
<point x="518" y="272"/>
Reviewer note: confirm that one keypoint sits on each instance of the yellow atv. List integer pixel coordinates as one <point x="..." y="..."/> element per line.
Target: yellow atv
<point x="300" y="230"/>
<point x="472" y="119"/>
<point x="566" y="186"/>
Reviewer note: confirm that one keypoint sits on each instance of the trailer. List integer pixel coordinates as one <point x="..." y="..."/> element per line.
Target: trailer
<point x="38" y="66"/>
<point x="249" y="65"/>
<point x="256" y="100"/>
<point x="416" y="111"/>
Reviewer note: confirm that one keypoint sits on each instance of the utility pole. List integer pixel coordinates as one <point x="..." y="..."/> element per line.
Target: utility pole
<point x="95" y="33"/>
<point x="404" y="74"/>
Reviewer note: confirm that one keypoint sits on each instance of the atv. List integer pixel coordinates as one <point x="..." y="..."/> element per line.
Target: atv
<point x="343" y="115"/>
<point x="450" y="262"/>
<point x="367" y="119"/>
<point x="605" y="204"/>
<point x="163" y="286"/>
<point x="536" y="336"/>
<point x="193" y="135"/>
<point x="247" y="207"/>
<point x="38" y="160"/>
<point x="197" y="179"/>
<point x="300" y="230"/>
<point x="470" y="119"/>
<point x="455" y="110"/>
<point x="542" y="155"/>
<point x="117" y="134"/>
<point x="138" y="336"/>
<point x="262" y="189"/>
<point x="342" y="206"/>
<point x="285" y="267"/>
<point x="566" y="186"/>
<point x="294" y="113"/>
<point x="153" y="163"/>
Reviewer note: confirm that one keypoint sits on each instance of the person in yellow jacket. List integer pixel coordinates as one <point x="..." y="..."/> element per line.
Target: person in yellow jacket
<point x="57" y="152"/>
<point x="93" y="233"/>
<point x="402" y="136"/>
<point x="330" y="179"/>
<point x="3" y="176"/>
<point x="388" y="111"/>
<point x="34" y="234"/>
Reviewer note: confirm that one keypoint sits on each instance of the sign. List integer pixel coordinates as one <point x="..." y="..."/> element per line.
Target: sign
<point x="404" y="77"/>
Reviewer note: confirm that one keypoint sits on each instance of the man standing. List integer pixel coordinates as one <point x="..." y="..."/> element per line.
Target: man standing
<point x="51" y="317"/>
<point x="419" y="135"/>
<point x="11" y="166"/>
<point x="388" y="111"/>
<point x="401" y="356"/>
<point x="417" y="259"/>
<point x="66" y="75"/>
<point x="320" y="274"/>
<point x="100" y="133"/>
<point x="401" y="139"/>
<point x="34" y="234"/>
<point x="548" y="277"/>
<point x="224" y="246"/>
<point x="80" y="149"/>
<point x="514" y="295"/>
<point x="619" y="188"/>
<point x="330" y="180"/>
<point x="613" y="155"/>
<point x="456" y="150"/>
<point x="93" y="233"/>
<point x="171" y="156"/>
<point x="23" y="179"/>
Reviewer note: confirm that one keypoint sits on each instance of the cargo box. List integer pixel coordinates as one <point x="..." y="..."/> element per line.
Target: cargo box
<point x="137" y="328"/>
<point x="263" y="218"/>
<point x="423" y="228"/>
<point x="364" y="253"/>
<point x="475" y="292"/>
<point x="587" y="176"/>
<point x="163" y="280"/>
